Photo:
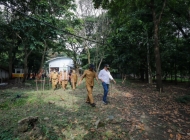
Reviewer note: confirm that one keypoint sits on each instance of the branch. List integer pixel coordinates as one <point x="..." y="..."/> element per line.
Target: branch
<point x="18" y="36"/>
<point x="29" y="53"/>
<point x="164" y="4"/>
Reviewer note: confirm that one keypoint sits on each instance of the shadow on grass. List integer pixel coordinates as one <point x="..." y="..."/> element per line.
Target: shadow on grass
<point x="58" y="119"/>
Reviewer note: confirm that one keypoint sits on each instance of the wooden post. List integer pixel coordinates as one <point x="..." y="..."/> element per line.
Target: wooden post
<point x="44" y="83"/>
<point x="41" y="82"/>
<point x="36" y="85"/>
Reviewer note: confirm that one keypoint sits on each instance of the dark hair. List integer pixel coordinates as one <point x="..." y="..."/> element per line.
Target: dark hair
<point x="106" y="65"/>
<point x="91" y="66"/>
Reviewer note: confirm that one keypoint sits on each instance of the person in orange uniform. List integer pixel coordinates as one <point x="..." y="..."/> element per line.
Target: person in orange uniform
<point x="58" y="82"/>
<point x="89" y="75"/>
<point x="74" y="79"/>
<point x="54" y="79"/>
<point x="64" y="79"/>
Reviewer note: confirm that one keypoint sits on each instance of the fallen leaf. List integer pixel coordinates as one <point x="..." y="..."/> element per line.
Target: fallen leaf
<point x="92" y="129"/>
<point x="171" y="136"/>
<point x="178" y="136"/>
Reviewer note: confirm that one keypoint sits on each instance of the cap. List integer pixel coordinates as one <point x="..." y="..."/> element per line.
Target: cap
<point x="91" y="66"/>
<point x="107" y="66"/>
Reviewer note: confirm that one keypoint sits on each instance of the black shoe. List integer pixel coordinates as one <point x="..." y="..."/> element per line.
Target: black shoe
<point x="87" y="102"/>
<point x="93" y="105"/>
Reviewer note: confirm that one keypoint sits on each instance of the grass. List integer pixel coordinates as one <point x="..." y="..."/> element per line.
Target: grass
<point x="73" y="119"/>
<point x="178" y="79"/>
<point x="68" y="119"/>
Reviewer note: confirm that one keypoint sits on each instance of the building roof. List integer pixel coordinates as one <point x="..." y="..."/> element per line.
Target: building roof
<point x="57" y="58"/>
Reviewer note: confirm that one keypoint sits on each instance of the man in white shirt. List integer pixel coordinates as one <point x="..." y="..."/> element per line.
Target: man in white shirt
<point x="105" y="77"/>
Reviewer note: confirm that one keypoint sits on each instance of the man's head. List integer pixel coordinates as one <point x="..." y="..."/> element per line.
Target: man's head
<point x="106" y="67"/>
<point x="91" y="67"/>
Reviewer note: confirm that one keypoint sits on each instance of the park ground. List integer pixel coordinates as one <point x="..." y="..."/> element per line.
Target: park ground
<point x="136" y="112"/>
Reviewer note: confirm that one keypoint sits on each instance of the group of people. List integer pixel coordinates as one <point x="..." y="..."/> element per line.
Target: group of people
<point x="90" y="75"/>
<point x="62" y="78"/>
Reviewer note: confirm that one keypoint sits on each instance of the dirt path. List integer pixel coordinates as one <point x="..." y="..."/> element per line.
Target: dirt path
<point x="156" y="116"/>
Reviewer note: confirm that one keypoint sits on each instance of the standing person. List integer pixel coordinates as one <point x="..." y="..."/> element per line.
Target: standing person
<point x="89" y="75"/>
<point x="74" y="79"/>
<point x="54" y="79"/>
<point x="58" y="81"/>
<point x="64" y="79"/>
<point x="70" y="78"/>
<point x="105" y="77"/>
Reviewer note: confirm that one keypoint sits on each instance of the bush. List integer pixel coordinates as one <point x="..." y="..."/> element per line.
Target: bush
<point x="183" y="99"/>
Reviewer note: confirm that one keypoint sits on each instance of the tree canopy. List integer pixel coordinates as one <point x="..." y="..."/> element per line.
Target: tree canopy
<point x="148" y="39"/>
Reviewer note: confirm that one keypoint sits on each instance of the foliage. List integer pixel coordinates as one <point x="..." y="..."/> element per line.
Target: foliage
<point x="183" y="99"/>
<point x="33" y="26"/>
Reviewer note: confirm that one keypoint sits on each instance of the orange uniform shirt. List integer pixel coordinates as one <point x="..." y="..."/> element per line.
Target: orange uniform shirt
<point x="54" y="75"/>
<point x="89" y="76"/>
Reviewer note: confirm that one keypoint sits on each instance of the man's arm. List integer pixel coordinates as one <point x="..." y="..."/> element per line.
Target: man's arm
<point x="59" y="77"/>
<point x="100" y="76"/>
<point x="110" y="76"/>
<point x="82" y="77"/>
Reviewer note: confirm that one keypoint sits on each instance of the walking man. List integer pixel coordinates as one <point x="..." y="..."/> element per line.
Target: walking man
<point x="54" y="79"/>
<point x="89" y="75"/>
<point x="74" y="79"/>
<point x="70" y="78"/>
<point x="105" y="78"/>
<point x="63" y="79"/>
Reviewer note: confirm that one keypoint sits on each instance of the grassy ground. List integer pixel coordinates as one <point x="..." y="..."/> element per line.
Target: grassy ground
<point x="136" y="112"/>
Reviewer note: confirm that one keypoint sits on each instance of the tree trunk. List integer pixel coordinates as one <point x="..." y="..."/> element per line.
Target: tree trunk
<point x="88" y="54"/>
<point x="189" y="76"/>
<point x="142" y="72"/>
<point x="10" y="63"/>
<point x="99" y="64"/>
<point x="148" y="65"/>
<point x="175" y="67"/>
<point x="25" y="68"/>
<point x="43" y="55"/>
<point x="156" y="21"/>
<point x="157" y="57"/>
<point x="26" y="64"/>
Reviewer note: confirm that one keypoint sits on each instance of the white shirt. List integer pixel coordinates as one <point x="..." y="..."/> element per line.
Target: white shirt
<point x="105" y="76"/>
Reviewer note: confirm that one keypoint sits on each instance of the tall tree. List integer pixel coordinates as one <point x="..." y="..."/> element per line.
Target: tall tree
<point x="122" y="7"/>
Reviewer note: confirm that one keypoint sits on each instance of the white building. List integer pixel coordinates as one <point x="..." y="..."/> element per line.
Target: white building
<point x="60" y="64"/>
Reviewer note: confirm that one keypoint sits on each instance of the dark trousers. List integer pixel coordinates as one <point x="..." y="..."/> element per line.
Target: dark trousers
<point x="70" y="83"/>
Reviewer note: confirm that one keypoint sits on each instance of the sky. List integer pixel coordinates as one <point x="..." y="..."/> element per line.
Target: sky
<point x="87" y="8"/>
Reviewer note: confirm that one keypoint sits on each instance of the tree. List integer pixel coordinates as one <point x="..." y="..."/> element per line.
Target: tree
<point x="120" y="8"/>
<point x="91" y="24"/>
<point x="31" y="25"/>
